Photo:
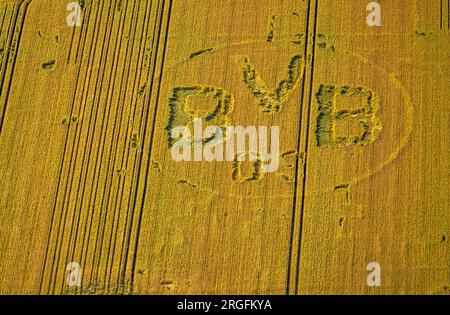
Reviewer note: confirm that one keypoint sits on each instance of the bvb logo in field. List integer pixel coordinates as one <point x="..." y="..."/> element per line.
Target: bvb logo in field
<point x="364" y="115"/>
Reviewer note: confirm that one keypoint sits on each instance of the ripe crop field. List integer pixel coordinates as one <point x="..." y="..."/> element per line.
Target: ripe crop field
<point x="92" y="200"/>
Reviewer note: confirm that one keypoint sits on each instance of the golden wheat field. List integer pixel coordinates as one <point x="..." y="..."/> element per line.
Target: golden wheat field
<point x="92" y="200"/>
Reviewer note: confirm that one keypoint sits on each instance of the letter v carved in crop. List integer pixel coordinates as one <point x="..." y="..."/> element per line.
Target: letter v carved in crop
<point x="271" y="101"/>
